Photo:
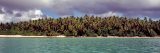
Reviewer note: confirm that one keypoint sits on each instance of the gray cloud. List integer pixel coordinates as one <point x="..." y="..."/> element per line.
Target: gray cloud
<point x="16" y="16"/>
<point x="83" y="5"/>
<point x="126" y="7"/>
<point x="149" y="8"/>
<point x="23" y="4"/>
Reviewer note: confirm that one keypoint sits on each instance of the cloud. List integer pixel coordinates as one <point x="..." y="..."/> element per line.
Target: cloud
<point x="87" y="6"/>
<point x="21" y="10"/>
<point x="130" y="8"/>
<point x="24" y="4"/>
<point x="16" y="16"/>
<point x="109" y="14"/>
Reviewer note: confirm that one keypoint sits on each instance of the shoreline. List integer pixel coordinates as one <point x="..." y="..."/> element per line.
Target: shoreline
<point x="21" y="36"/>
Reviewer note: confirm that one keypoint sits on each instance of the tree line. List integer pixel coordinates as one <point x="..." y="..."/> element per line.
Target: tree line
<point x="90" y="26"/>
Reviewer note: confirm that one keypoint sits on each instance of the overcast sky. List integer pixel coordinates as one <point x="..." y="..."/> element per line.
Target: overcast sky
<point x="21" y="10"/>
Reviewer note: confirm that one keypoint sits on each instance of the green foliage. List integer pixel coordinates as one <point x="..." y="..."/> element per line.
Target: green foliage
<point x="91" y="26"/>
<point x="52" y="34"/>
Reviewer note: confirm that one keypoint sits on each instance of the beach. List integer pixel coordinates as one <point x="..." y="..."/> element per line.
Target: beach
<point x="22" y="36"/>
<point x="60" y="36"/>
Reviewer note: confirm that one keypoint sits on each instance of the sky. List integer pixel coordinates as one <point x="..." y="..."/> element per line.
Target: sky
<point x="23" y="10"/>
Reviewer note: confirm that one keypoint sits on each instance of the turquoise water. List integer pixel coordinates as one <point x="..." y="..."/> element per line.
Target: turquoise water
<point x="79" y="45"/>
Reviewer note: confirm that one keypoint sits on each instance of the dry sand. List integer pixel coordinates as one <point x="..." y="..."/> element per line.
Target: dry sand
<point x="60" y="36"/>
<point x="21" y="36"/>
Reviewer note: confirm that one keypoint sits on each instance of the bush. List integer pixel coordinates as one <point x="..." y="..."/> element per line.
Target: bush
<point x="52" y="34"/>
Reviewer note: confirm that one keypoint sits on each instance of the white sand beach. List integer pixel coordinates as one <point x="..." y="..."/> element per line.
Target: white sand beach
<point x="21" y="36"/>
<point x="62" y="36"/>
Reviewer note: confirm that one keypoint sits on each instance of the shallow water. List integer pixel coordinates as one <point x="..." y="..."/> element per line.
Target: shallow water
<point x="79" y="45"/>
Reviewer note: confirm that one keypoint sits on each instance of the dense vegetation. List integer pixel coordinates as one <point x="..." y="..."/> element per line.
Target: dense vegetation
<point x="84" y="26"/>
